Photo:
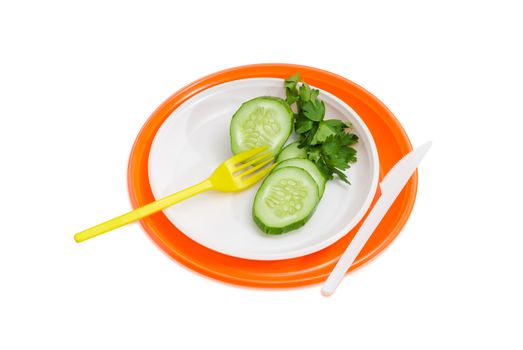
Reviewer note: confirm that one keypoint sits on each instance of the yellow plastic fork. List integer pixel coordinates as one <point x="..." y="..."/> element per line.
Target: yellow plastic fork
<point x="235" y="174"/>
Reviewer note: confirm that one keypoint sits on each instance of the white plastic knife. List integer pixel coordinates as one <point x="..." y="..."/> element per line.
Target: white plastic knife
<point x="391" y="187"/>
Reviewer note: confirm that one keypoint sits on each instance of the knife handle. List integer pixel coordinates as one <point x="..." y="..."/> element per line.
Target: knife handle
<point x="357" y="243"/>
<point x="391" y="186"/>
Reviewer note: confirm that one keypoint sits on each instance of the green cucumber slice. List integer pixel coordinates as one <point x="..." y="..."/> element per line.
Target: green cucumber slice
<point x="262" y="121"/>
<point x="309" y="167"/>
<point x="285" y="201"/>
<point x="291" y="151"/>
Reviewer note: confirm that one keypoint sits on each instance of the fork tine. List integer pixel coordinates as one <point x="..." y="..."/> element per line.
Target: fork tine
<point x="246" y="155"/>
<point x="258" y="176"/>
<point x="259" y="158"/>
<point x="256" y="168"/>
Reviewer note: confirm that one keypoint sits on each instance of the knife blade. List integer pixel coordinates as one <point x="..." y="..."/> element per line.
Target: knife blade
<point x="390" y="186"/>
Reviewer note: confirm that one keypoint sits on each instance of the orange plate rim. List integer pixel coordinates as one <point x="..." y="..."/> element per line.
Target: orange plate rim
<point x="297" y="272"/>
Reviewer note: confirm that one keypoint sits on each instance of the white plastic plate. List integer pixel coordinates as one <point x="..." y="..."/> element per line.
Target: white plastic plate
<point x="194" y="139"/>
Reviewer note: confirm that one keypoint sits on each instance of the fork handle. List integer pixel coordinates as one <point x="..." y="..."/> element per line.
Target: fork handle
<point x="142" y="212"/>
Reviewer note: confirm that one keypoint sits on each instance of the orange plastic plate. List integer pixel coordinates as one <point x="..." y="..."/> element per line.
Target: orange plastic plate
<point x="391" y="141"/>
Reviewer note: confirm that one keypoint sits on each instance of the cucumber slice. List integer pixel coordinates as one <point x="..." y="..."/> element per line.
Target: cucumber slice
<point x="291" y="151"/>
<point x="285" y="201"/>
<point x="309" y="167"/>
<point x="262" y="121"/>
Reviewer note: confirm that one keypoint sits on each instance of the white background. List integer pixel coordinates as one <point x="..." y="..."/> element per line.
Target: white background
<point x="78" y="81"/>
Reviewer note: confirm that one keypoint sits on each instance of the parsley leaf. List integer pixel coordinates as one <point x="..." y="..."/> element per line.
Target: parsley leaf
<point x="305" y="93"/>
<point x="290" y="89"/>
<point x="328" y="142"/>
<point x="291" y="82"/>
<point x="328" y="128"/>
<point x="303" y="125"/>
<point x="313" y="111"/>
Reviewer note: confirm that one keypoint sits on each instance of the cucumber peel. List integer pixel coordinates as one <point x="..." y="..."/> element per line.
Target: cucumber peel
<point x="285" y="201"/>
<point x="262" y="121"/>
<point x="310" y="168"/>
<point x="291" y="151"/>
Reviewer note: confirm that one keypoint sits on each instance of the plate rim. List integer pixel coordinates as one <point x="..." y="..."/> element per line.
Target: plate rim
<point x="348" y="226"/>
<point x="240" y="271"/>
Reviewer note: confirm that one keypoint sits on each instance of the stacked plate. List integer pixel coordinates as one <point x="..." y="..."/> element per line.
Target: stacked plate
<point x="213" y="233"/>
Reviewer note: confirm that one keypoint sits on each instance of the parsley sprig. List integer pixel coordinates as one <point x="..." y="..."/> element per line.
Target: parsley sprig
<point x="327" y="142"/>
